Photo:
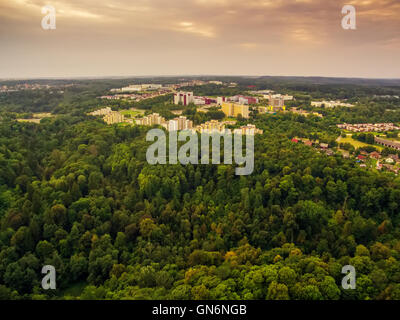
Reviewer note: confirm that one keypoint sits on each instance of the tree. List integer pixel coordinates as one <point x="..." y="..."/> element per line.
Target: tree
<point x="277" y="291"/>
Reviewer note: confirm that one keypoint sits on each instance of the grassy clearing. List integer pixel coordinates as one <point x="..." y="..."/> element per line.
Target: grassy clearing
<point x="131" y="113"/>
<point x="356" y="144"/>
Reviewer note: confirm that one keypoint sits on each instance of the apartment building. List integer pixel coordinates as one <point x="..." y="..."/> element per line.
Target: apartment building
<point x="277" y="102"/>
<point x="180" y="123"/>
<point x="150" y="120"/>
<point x="234" y="109"/>
<point x="247" y="130"/>
<point x="243" y="99"/>
<point x="113" y="117"/>
<point x="184" y="98"/>
<point x="330" y="104"/>
<point x="211" y="126"/>
<point x="101" y="112"/>
<point x="221" y="100"/>
<point x="369" y="127"/>
<point x="139" y="87"/>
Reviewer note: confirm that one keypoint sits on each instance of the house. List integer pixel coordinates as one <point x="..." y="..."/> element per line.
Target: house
<point x="391" y="168"/>
<point x="361" y="157"/>
<point x="389" y="160"/>
<point x="295" y="140"/>
<point x="330" y="152"/>
<point x="308" y="143"/>
<point x="324" y="146"/>
<point x="346" y="154"/>
<point x="375" y="155"/>
<point x="395" y="157"/>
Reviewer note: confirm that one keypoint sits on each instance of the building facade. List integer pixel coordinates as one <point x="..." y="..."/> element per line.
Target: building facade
<point x="184" y="98"/>
<point x="114" y="117"/>
<point x="233" y="110"/>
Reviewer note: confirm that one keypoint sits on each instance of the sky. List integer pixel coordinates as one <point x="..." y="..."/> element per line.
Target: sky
<point x="199" y="37"/>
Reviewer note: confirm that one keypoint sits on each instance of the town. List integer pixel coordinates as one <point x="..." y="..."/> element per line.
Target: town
<point x="185" y="155"/>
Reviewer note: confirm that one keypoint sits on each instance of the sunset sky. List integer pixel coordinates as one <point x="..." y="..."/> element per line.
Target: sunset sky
<point x="199" y="37"/>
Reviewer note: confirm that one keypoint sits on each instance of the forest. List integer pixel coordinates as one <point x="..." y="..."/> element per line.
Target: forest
<point x="78" y="194"/>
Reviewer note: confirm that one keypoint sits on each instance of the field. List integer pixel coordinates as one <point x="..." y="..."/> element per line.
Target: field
<point x="356" y="144"/>
<point x="132" y="113"/>
<point x="29" y="120"/>
<point x="36" y="117"/>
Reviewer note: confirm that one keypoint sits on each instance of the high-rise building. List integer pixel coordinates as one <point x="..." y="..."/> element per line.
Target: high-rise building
<point x="180" y="123"/>
<point x="150" y="120"/>
<point x="277" y="102"/>
<point x="113" y="117"/>
<point x="173" y="125"/>
<point x="233" y="110"/>
<point x="101" y="112"/>
<point x="221" y="100"/>
<point x="184" y="98"/>
<point x="243" y="100"/>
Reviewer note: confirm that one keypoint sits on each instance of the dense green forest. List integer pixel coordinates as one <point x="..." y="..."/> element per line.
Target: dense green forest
<point x="80" y="195"/>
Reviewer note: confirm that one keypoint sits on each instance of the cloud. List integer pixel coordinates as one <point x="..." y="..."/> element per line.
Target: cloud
<point x="104" y="33"/>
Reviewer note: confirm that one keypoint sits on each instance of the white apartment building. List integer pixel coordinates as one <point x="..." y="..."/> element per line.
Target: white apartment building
<point x="181" y="123"/>
<point x="199" y="101"/>
<point x="221" y="100"/>
<point x="330" y="104"/>
<point x="184" y="98"/>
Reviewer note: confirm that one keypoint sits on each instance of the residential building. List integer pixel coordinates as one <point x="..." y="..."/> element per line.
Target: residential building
<point x="199" y="101"/>
<point x="391" y="168"/>
<point x="305" y="113"/>
<point x="203" y="100"/>
<point x="369" y="127"/>
<point x="330" y="104"/>
<point x="248" y="130"/>
<point x="263" y="109"/>
<point x="387" y="143"/>
<point x="113" y="117"/>
<point x="211" y="126"/>
<point x="243" y="99"/>
<point x="218" y="83"/>
<point x="389" y="160"/>
<point x="101" y="112"/>
<point x="233" y="110"/>
<point x="150" y="120"/>
<point x="375" y="155"/>
<point x="221" y="100"/>
<point x="184" y="98"/>
<point x="277" y="102"/>
<point x="181" y="123"/>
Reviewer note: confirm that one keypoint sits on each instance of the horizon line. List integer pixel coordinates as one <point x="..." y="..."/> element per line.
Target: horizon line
<point x="116" y="77"/>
